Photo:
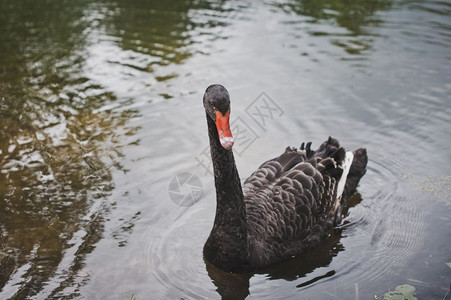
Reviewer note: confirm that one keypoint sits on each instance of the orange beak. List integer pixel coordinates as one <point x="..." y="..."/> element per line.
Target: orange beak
<point x="222" y="124"/>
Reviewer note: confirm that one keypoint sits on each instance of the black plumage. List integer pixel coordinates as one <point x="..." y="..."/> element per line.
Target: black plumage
<point x="287" y="206"/>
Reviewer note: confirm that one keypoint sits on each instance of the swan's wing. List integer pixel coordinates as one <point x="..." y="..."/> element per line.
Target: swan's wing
<point x="292" y="199"/>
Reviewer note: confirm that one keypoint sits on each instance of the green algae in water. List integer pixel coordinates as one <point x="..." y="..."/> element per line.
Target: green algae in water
<point x="401" y="292"/>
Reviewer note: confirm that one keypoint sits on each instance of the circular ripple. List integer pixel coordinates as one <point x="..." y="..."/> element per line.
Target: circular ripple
<point x="175" y="258"/>
<point x="380" y="184"/>
<point x="384" y="175"/>
<point x="385" y="230"/>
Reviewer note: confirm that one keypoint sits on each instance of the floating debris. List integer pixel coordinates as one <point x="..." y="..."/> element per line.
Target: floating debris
<point x="401" y="292"/>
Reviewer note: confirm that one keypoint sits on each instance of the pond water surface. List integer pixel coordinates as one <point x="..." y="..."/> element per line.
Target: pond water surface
<point x="101" y="110"/>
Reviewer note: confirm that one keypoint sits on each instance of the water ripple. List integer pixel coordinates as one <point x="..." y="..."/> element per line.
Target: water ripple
<point x="174" y="265"/>
<point x="386" y="226"/>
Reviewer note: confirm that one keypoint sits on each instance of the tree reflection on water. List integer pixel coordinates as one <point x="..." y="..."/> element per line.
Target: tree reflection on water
<point x="56" y="148"/>
<point x="350" y="20"/>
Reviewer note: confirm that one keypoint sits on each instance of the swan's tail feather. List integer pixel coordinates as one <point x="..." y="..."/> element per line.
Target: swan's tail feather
<point x="357" y="170"/>
<point x="346" y="165"/>
<point x="354" y="167"/>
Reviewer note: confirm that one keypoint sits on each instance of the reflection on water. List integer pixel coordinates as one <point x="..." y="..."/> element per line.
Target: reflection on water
<point x="344" y="22"/>
<point x="161" y="31"/>
<point x="95" y="101"/>
<point x="351" y="15"/>
<point x="55" y="148"/>
<point x="236" y="286"/>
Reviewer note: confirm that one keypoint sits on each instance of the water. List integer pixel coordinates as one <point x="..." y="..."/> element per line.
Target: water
<point x="100" y="108"/>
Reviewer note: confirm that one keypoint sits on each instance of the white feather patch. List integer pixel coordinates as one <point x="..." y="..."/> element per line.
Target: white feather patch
<point x="349" y="157"/>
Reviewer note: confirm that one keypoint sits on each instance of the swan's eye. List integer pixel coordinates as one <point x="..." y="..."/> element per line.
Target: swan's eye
<point x="210" y="109"/>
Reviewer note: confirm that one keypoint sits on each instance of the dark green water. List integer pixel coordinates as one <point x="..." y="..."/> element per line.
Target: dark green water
<point x="100" y="108"/>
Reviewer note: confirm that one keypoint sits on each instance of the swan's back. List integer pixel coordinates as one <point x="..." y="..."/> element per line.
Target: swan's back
<point x="292" y="202"/>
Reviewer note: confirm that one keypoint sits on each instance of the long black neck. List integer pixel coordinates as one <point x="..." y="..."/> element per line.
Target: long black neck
<point x="226" y="246"/>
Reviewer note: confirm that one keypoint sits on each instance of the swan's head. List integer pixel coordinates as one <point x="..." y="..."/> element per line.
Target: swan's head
<point x="217" y="106"/>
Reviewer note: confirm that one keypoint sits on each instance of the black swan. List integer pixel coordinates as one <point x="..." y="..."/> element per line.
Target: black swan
<point x="289" y="205"/>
